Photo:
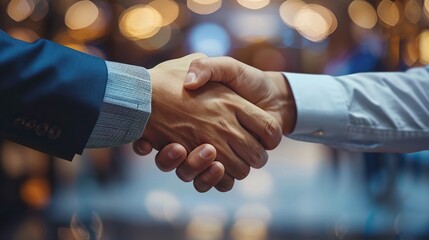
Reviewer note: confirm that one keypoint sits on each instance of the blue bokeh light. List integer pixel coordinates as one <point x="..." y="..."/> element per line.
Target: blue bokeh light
<point x="210" y="39"/>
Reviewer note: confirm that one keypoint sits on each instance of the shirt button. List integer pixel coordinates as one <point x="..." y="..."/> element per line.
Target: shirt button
<point x="318" y="133"/>
<point x="54" y="133"/>
<point x="41" y="129"/>
<point x="30" y="125"/>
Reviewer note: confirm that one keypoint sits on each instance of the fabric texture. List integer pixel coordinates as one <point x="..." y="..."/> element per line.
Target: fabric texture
<point x="126" y="106"/>
<point x="385" y="111"/>
<point x="50" y="95"/>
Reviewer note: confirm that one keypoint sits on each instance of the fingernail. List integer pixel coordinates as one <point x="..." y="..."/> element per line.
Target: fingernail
<point x="173" y="154"/>
<point x="215" y="169"/>
<point x="139" y="147"/>
<point x="190" y="78"/>
<point x="206" y="152"/>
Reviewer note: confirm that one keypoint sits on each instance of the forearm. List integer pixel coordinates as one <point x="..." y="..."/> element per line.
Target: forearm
<point x="364" y="112"/>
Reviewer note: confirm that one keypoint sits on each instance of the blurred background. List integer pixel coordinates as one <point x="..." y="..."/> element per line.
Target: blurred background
<point x="306" y="191"/>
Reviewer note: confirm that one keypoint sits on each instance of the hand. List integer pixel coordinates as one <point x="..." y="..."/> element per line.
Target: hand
<point x="268" y="90"/>
<point x="180" y="116"/>
<point x="198" y="166"/>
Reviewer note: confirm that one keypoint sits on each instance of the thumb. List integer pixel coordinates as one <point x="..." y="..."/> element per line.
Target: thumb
<point x="225" y="70"/>
<point x="142" y="147"/>
<point x="246" y="81"/>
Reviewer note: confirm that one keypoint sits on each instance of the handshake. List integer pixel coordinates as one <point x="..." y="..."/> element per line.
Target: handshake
<point x="214" y="118"/>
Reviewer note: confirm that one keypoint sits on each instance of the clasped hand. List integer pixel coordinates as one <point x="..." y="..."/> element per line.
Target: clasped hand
<point x="224" y="133"/>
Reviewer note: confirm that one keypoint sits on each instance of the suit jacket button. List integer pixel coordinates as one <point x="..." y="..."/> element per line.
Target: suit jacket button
<point x="30" y="125"/>
<point x="54" y="133"/>
<point x="41" y="129"/>
<point x="20" y="122"/>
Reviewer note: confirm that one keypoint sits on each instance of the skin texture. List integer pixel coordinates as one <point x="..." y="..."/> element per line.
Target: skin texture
<point x="268" y="90"/>
<point x="237" y="132"/>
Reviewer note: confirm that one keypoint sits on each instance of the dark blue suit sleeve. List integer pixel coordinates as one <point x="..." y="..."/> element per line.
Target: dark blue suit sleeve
<point x="50" y="95"/>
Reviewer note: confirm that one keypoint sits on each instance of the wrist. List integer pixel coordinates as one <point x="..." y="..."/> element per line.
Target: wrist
<point x="286" y="102"/>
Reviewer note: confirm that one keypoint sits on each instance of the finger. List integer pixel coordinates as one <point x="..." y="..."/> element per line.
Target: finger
<point x="265" y="127"/>
<point x="225" y="184"/>
<point x="210" y="177"/>
<point x="220" y="69"/>
<point x="197" y="162"/>
<point x="235" y="165"/>
<point x="142" y="147"/>
<point x="250" y="150"/>
<point x="247" y="81"/>
<point x="170" y="157"/>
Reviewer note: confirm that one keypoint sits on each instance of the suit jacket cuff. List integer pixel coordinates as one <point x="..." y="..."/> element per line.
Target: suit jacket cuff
<point x="126" y="106"/>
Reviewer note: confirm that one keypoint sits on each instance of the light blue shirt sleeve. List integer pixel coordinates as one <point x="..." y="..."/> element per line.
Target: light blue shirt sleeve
<point x="373" y="112"/>
<point x="126" y="106"/>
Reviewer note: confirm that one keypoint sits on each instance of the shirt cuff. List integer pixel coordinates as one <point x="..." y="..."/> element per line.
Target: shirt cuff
<point x="321" y="106"/>
<point x="126" y="106"/>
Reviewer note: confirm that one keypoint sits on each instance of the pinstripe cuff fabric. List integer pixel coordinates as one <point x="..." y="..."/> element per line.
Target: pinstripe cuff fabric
<point x="126" y="106"/>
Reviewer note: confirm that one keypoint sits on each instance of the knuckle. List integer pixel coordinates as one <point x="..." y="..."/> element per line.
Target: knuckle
<point x="273" y="130"/>
<point x="229" y="59"/>
<point x="200" y="62"/>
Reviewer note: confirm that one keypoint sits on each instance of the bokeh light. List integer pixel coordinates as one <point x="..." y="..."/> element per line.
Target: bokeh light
<point x="40" y="11"/>
<point x="168" y="9"/>
<point x="298" y="37"/>
<point x="12" y="160"/>
<point x="36" y="192"/>
<point x="140" y="22"/>
<point x="207" y="222"/>
<point x="204" y="7"/>
<point x="388" y="12"/>
<point x="253" y="28"/>
<point x="205" y="228"/>
<point x="259" y="184"/>
<point x="249" y="229"/>
<point x="362" y="14"/>
<point x="81" y="15"/>
<point x="158" y="41"/>
<point x="288" y="10"/>
<point x="423" y="40"/>
<point x="87" y="21"/>
<point x="210" y="39"/>
<point x="413" y="11"/>
<point x="426" y="8"/>
<point x="19" y="10"/>
<point x="314" y="25"/>
<point x="162" y="206"/>
<point x="411" y="52"/>
<point x="328" y="15"/>
<point x="79" y="228"/>
<point x="253" y="4"/>
<point x="24" y="34"/>
<point x="255" y="211"/>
